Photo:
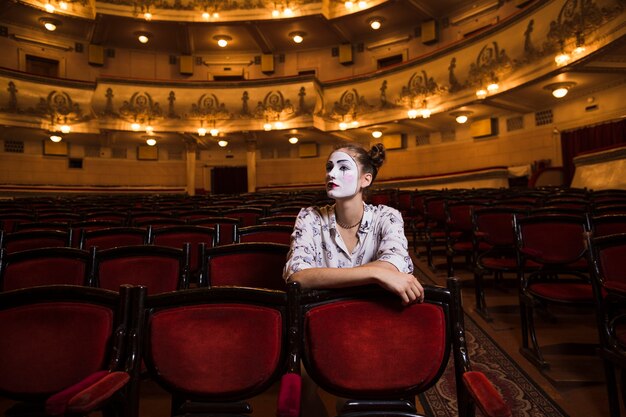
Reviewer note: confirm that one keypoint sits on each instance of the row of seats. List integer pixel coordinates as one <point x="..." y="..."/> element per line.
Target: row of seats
<point x="557" y="258"/>
<point x="213" y="349"/>
<point x="159" y="268"/>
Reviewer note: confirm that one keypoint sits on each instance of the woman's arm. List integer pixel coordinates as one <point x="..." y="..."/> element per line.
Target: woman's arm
<point x="378" y="272"/>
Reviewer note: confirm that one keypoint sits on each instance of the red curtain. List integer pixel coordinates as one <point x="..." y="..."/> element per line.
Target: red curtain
<point x="593" y="138"/>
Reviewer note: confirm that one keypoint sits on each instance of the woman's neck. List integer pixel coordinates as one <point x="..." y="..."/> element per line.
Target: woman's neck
<point x="349" y="211"/>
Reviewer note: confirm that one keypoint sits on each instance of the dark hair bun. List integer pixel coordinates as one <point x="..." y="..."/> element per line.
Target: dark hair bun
<point x="377" y="155"/>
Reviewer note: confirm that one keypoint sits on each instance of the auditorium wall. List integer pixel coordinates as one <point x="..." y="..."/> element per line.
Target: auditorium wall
<point x="284" y="167"/>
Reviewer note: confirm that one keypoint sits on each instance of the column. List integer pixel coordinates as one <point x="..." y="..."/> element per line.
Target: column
<point x="251" y="163"/>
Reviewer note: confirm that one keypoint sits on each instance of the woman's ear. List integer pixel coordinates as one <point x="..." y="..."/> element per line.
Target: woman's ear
<point x="366" y="180"/>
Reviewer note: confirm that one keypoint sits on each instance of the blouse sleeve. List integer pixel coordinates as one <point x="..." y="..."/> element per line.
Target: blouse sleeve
<point x="393" y="247"/>
<point x="302" y="253"/>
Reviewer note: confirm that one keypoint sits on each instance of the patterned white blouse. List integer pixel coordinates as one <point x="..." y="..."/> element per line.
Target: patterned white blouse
<point x="316" y="242"/>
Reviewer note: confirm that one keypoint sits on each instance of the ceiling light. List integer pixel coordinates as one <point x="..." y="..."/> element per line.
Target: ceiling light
<point x="222" y="40"/>
<point x="562" y="59"/>
<point x="412" y="113"/>
<point x="214" y="132"/>
<point x="579" y="50"/>
<point x="348" y="5"/>
<point x="143" y="37"/>
<point x="147" y="16"/>
<point x="49" y="8"/>
<point x="377" y="134"/>
<point x="288" y="12"/>
<point x="343" y="126"/>
<point x="425" y="113"/>
<point x="461" y="116"/>
<point x="297" y="37"/>
<point x="559" y="90"/>
<point x="65" y="128"/>
<point x="151" y="141"/>
<point x="201" y="131"/>
<point x="275" y="13"/>
<point x="223" y="143"/>
<point x="206" y="15"/>
<point x="267" y="127"/>
<point x="63" y="5"/>
<point x="50" y="24"/>
<point x="375" y="22"/>
<point x="149" y="129"/>
<point x="493" y="88"/>
<point x="482" y="93"/>
<point x="56" y="138"/>
<point x="279" y="125"/>
<point x="362" y="4"/>
<point x="293" y="140"/>
<point x="135" y="127"/>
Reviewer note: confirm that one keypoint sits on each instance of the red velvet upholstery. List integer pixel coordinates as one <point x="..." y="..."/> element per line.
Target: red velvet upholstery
<point x="98" y="393"/>
<point x="248" y="270"/>
<point x="289" y="395"/>
<point x="56" y="405"/>
<point x="257" y="265"/>
<point x="159" y="274"/>
<point x="574" y="292"/>
<point x="336" y="331"/>
<point x="106" y="242"/>
<point x="175" y="237"/>
<point x="26" y="244"/>
<point x="44" y="271"/>
<point x="207" y="348"/>
<point x="485" y="395"/>
<point x="74" y="340"/>
<point x="275" y="237"/>
<point x="612" y="267"/>
<point x="560" y="243"/>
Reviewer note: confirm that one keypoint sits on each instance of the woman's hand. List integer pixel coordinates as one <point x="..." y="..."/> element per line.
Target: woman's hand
<point x="405" y="285"/>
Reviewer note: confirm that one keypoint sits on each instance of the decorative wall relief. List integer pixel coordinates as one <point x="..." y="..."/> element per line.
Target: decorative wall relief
<point x="60" y="108"/>
<point x="12" y="100"/>
<point x="491" y="65"/>
<point x="141" y="108"/>
<point x="274" y="107"/>
<point x="576" y="20"/>
<point x="419" y="88"/>
<point x="171" y="111"/>
<point x="349" y="106"/>
<point x="208" y="107"/>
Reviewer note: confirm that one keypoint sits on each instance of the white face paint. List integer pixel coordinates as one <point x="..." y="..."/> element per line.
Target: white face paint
<point x="342" y="175"/>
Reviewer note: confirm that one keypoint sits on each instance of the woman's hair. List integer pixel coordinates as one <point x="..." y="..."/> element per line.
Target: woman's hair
<point x="369" y="161"/>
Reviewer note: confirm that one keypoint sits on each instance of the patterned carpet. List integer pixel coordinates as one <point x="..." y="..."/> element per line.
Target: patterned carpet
<point x="518" y="390"/>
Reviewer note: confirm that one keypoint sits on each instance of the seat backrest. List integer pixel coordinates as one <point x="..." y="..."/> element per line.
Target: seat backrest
<point x="215" y="345"/>
<point x="177" y="236"/>
<point x="607" y="256"/>
<point x="288" y="219"/>
<point x="254" y="264"/>
<point x="494" y="225"/>
<point x="113" y="236"/>
<point x="33" y="239"/>
<point x="159" y="268"/>
<point x="459" y="215"/>
<point x="55" y="336"/>
<point x="608" y="224"/>
<point x="394" y="359"/>
<point x="273" y="233"/>
<point x="44" y="266"/>
<point x="247" y="216"/>
<point x="226" y="227"/>
<point x="9" y="220"/>
<point x="551" y="239"/>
